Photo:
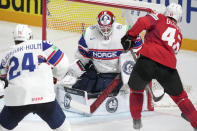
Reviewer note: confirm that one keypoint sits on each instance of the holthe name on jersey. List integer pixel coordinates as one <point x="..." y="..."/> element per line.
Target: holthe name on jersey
<point x="21" y="48"/>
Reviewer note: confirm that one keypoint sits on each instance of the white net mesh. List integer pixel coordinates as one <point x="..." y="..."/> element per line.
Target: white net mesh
<point x="166" y="100"/>
<point x="75" y="17"/>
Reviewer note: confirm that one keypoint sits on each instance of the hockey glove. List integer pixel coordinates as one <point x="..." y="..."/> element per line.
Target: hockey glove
<point x="127" y="42"/>
<point x="68" y="80"/>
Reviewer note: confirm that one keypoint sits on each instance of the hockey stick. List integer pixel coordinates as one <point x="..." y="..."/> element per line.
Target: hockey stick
<point x="105" y="93"/>
<point x="156" y="99"/>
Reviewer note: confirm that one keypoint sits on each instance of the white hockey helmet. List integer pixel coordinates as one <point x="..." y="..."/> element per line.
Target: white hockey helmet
<point x="105" y="21"/>
<point x="174" y="11"/>
<point x="22" y="33"/>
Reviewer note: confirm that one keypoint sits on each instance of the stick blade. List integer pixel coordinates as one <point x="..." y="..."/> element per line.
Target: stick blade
<point x="156" y="99"/>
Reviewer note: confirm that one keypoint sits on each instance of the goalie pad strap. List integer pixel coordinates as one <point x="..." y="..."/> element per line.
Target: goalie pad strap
<point x="81" y="66"/>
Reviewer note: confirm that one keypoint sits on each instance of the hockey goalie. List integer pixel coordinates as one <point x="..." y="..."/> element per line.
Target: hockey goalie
<point x="99" y="63"/>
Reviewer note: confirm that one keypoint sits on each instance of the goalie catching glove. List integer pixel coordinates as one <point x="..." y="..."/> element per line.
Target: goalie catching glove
<point x="68" y="80"/>
<point x="127" y="42"/>
<point x="76" y="69"/>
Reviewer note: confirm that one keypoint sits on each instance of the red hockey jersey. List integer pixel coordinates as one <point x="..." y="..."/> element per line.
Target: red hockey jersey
<point x="162" y="39"/>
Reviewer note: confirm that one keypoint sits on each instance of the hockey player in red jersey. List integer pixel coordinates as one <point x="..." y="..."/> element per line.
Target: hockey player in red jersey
<point x="158" y="61"/>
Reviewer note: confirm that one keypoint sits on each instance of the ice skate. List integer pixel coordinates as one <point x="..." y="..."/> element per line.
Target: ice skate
<point x="137" y="124"/>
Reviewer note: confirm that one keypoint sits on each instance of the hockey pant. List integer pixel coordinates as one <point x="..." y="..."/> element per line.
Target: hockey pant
<point x="50" y="112"/>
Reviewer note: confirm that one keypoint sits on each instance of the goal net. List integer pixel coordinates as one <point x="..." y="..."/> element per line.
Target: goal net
<point x="74" y="16"/>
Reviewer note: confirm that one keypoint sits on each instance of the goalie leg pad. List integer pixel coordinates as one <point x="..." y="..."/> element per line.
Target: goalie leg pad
<point x="136" y="103"/>
<point x="186" y="106"/>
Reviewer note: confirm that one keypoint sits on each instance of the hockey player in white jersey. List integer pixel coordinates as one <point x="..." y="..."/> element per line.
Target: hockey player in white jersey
<point x="99" y="49"/>
<point x="27" y="66"/>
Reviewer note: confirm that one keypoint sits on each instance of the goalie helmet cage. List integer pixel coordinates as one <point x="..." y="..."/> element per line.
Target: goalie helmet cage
<point x="76" y="15"/>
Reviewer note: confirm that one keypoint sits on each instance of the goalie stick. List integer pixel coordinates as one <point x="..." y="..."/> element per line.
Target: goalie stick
<point x="105" y="93"/>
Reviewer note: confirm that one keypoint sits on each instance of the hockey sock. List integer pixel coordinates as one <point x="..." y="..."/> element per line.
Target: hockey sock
<point x="187" y="108"/>
<point x="136" y="102"/>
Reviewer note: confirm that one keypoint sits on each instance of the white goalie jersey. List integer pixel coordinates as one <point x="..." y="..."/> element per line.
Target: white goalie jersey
<point x="28" y="69"/>
<point x="103" y="53"/>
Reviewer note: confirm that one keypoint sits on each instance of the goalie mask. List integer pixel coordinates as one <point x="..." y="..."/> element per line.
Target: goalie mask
<point x="105" y="21"/>
<point x="22" y="33"/>
<point x="174" y="11"/>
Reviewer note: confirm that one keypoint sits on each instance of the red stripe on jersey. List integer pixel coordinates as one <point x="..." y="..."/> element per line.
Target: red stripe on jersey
<point x="59" y="59"/>
<point x="51" y="55"/>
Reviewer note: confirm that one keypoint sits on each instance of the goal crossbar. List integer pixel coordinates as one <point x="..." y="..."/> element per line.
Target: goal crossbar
<point x="125" y="4"/>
